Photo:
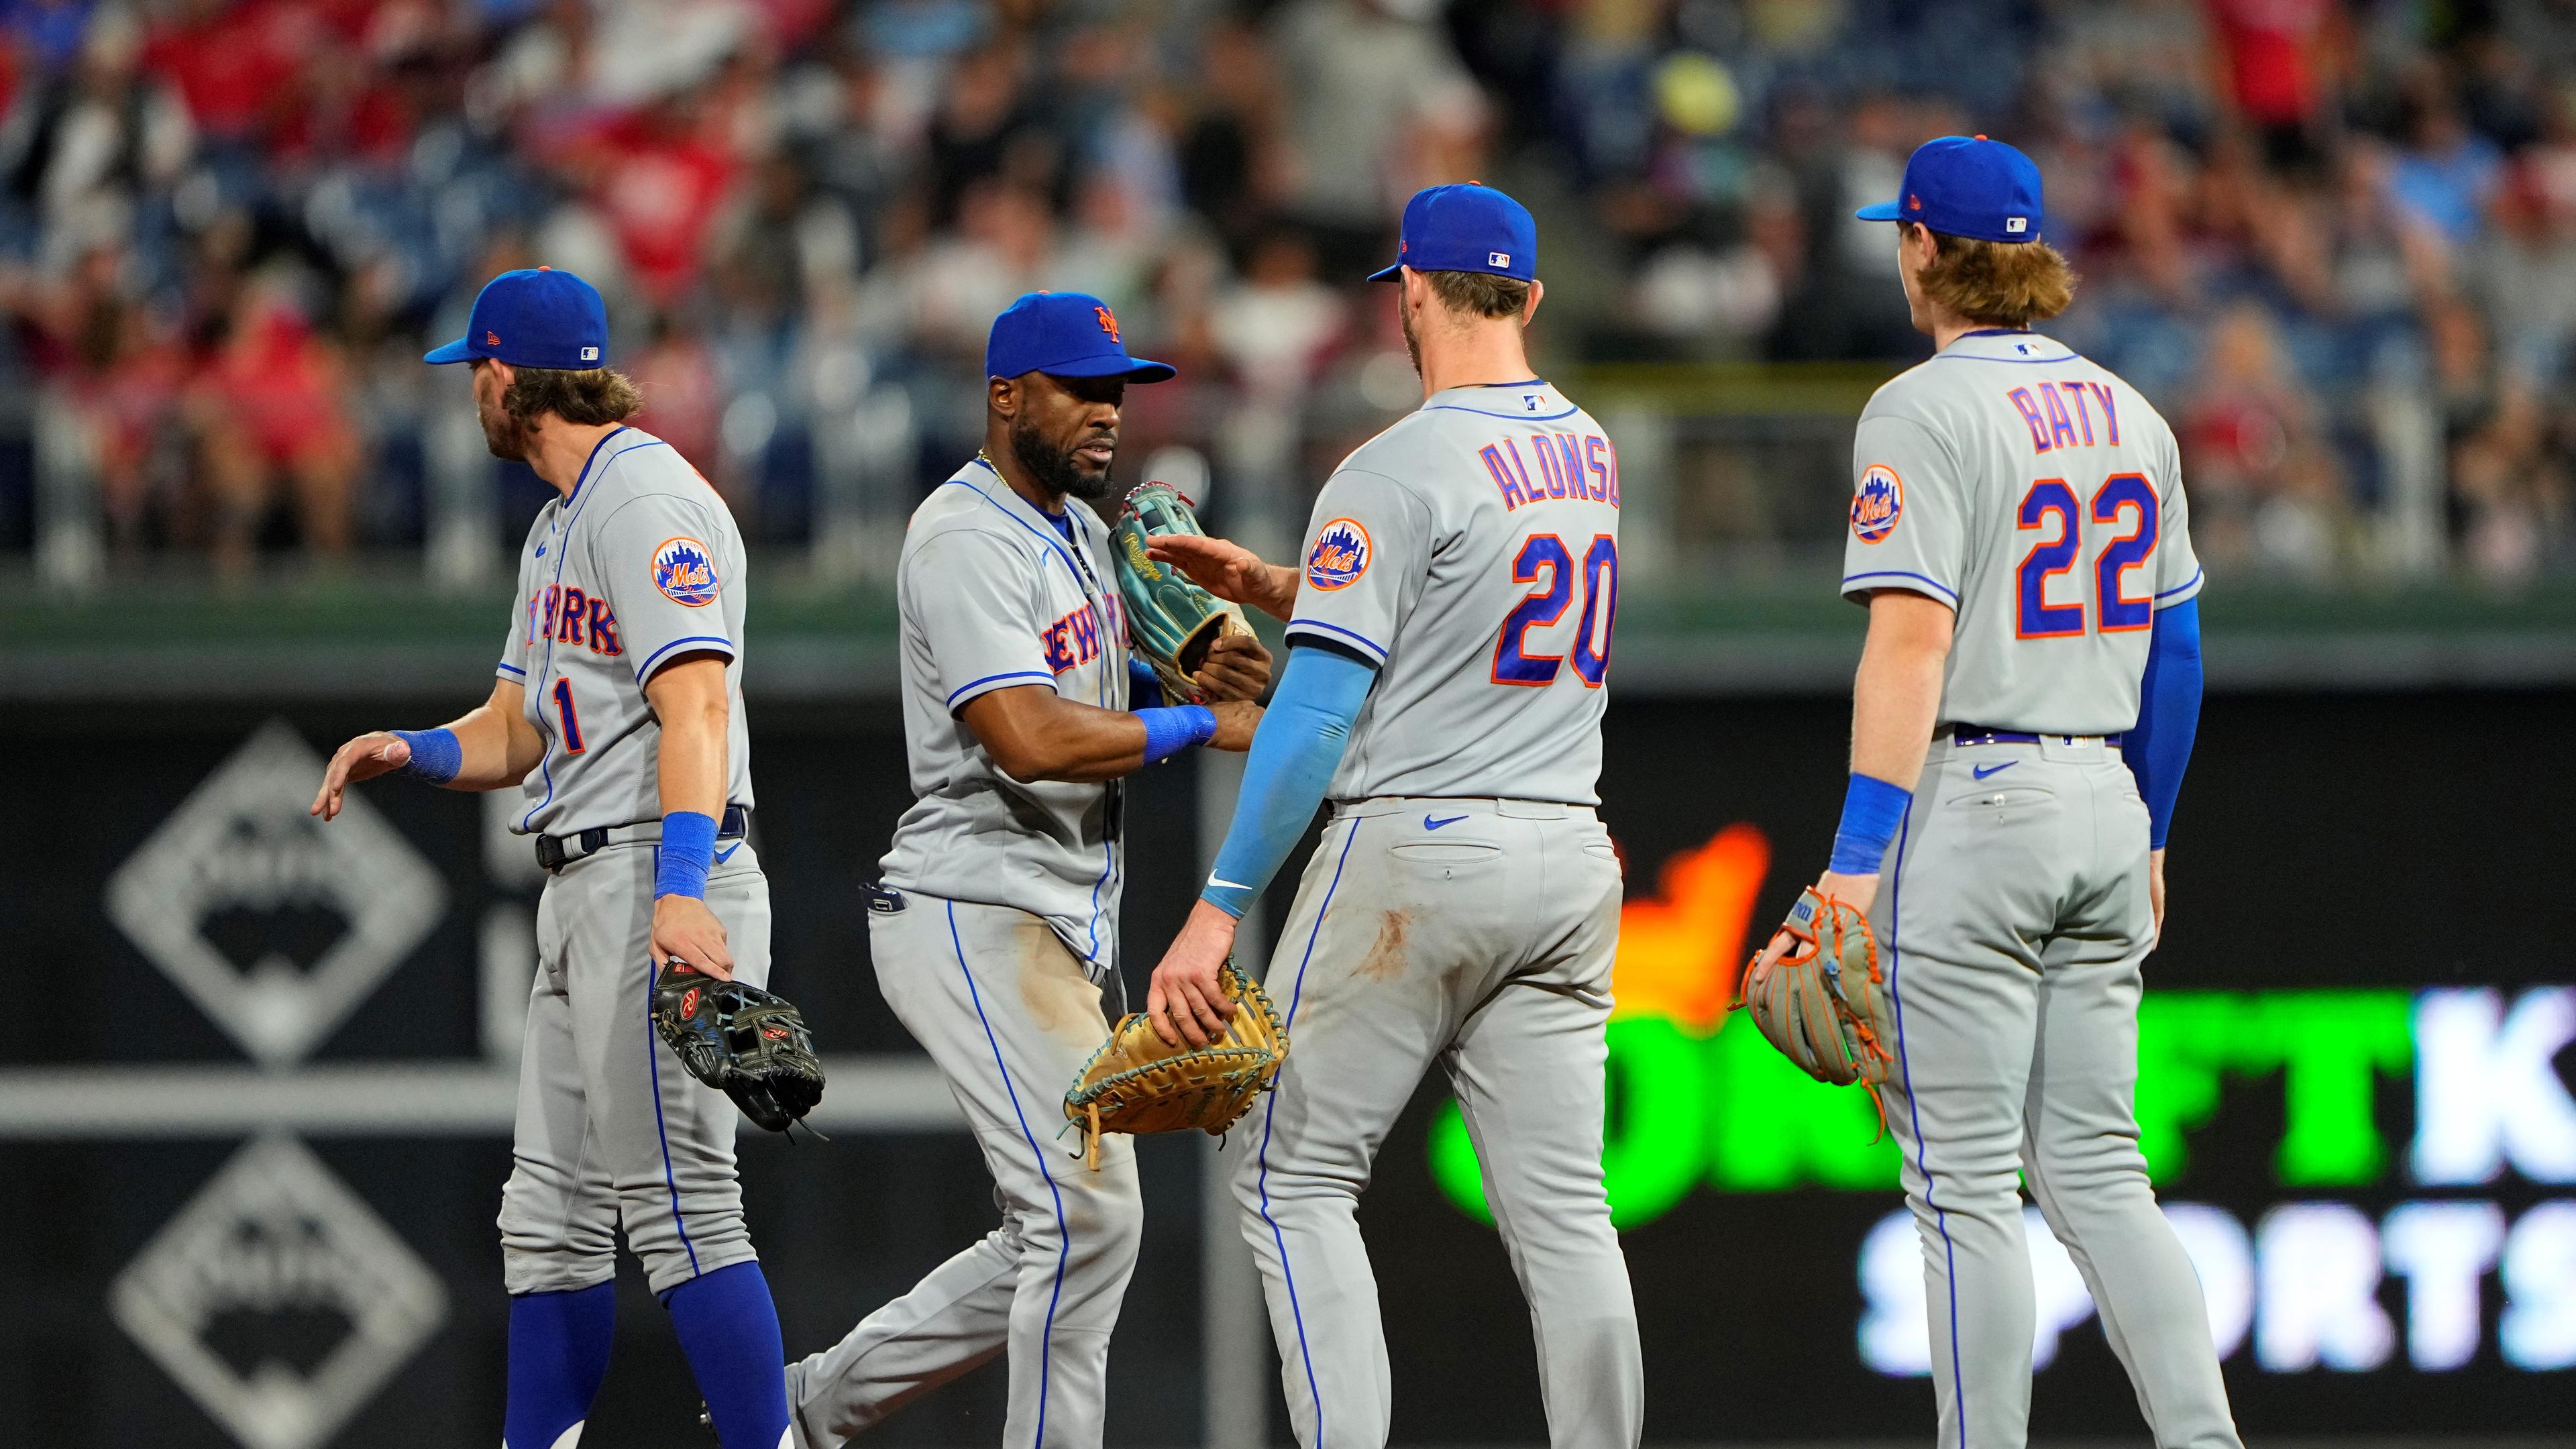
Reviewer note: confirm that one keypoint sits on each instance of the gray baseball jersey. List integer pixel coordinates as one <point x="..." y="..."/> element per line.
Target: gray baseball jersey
<point x="1463" y="906"/>
<point x="638" y="566"/>
<point x="994" y="596"/>
<point x="2039" y="496"/>
<point x="1471" y="551"/>
<point x="993" y="940"/>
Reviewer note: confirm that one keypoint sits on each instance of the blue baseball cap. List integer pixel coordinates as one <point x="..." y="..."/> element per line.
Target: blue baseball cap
<point x="1967" y="186"/>
<point x="1465" y="228"/>
<point x="1064" y="334"/>
<point x="534" y="317"/>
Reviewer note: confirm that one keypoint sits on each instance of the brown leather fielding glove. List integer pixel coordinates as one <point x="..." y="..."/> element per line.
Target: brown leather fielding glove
<point x="1825" y="1002"/>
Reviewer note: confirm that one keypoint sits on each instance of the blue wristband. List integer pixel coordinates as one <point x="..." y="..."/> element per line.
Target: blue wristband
<point x="436" y="755"/>
<point x="1871" y="809"/>
<point x="688" y="853"/>
<point x="1175" y="728"/>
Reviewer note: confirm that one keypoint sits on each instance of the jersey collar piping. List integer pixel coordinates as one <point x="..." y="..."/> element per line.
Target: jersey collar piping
<point x="587" y="464"/>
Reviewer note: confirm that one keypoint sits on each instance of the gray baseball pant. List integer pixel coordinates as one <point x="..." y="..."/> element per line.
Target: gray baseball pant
<point x="2014" y="915"/>
<point x="1008" y="1014"/>
<point x="1482" y="942"/>
<point x="612" y="1131"/>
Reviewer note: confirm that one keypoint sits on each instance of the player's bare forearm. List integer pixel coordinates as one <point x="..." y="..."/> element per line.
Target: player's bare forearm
<point x="694" y="708"/>
<point x="1034" y="734"/>
<point x="1895" y="699"/>
<point x="496" y="747"/>
<point x="1230" y="571"/>
<point x="1897" y="695"/>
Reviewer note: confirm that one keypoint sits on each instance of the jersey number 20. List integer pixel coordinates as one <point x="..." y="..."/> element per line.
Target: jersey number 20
<point x="2124" y="501"/>
<point x="1544" y="560"/>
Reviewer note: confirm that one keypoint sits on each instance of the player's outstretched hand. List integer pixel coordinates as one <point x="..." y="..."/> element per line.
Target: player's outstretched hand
<point x="1236" y="667"/>
<point x="1185" y="1003"/>
<point x="1235" y="722"/>
<point x="377" y="752"/>
<point x="1228" y="570"/>
<point x="684" y="929"/>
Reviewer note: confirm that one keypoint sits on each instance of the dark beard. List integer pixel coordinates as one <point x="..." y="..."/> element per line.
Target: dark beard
<point x="1412" y="342"/>
<point x="1053" y="469"/>
<point x="505" y="435"/>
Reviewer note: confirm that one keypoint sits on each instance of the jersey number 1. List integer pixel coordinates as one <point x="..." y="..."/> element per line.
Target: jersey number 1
<point x="570" y="717"/>
<point x="1544" y="557"/>
<point x="2034" y="617"/>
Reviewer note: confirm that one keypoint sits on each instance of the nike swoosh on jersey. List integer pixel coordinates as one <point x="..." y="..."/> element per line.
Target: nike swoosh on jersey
<point x="727" y="853"/>
<point x="1430" y="824"/>
<point x="1982" y="771"/>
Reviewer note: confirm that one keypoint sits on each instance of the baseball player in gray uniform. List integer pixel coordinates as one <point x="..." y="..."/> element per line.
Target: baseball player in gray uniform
<point x="1450" y="641"/>
<point x="618" y="713"/>
<point x="2021" y="720"/>
<point x="995" y="928"/>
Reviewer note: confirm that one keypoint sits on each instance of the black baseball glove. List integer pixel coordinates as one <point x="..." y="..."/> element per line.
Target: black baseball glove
<point x="742" y="1041"/>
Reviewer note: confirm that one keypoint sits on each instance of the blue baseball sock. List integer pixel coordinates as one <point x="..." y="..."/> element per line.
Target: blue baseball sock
<point x="558" y="1355"/>
<point x="729" y="1330"/>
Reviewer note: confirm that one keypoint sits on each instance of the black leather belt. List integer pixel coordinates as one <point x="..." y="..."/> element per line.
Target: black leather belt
<point x="554" y="852"/>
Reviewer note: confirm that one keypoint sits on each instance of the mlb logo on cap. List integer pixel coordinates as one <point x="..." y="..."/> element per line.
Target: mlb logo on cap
<point x="1968" y="186"/>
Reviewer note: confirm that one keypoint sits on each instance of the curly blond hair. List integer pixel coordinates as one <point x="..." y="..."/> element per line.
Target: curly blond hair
<point x="1997" y="284"/>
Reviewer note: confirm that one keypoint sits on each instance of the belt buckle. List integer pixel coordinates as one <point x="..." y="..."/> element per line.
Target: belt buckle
<point x="550" y="854"/>
<point x="884" y="900"/>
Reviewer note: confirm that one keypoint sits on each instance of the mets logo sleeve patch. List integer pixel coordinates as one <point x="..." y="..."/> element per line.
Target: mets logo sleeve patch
<point x="1877" y="503"/>
<point x="685" y="573"/>
<point x="1339" y="557"/>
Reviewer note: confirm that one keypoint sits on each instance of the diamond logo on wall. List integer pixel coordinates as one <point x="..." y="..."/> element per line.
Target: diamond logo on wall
<point x="278" y="1299"/>
<point x="240" y="882"/>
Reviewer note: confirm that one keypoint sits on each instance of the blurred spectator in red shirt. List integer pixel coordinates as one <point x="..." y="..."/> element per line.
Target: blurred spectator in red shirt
<point x="2277" y="56"/>
<point x="272" y="426"/>
<point x="660" y="179"/>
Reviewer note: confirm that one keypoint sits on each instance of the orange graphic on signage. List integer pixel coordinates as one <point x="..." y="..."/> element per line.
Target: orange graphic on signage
<point x="1680" y="949"/>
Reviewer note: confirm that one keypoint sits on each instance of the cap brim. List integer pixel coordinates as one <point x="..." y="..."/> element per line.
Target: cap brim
<point x="1392" y="274"/>
<point x="1882" y="211"/>
<point x="1133" y="369"/>
<point x="452" y="352"/>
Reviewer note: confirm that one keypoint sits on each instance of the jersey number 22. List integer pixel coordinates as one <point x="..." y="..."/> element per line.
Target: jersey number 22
<point x="2124" y="501"/>
<point x="1544" y="560"/>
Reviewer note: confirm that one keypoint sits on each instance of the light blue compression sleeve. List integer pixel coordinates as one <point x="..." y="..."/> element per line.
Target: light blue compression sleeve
<point x="1294" y="753"/>
<point x="2159" y="749"/>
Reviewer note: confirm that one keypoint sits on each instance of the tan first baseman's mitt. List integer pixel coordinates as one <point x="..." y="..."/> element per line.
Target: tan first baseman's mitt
<point x="1825" y="1002"/>
<point x="1137" y="1082"/>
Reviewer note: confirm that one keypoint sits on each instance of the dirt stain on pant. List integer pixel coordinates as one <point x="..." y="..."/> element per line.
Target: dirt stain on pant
<point x="1060" y="999"/>
<point x="1387" y="955"/>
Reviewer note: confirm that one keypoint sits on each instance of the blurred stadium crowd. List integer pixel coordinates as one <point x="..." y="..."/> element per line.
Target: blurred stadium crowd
<point x="227" y="227"/>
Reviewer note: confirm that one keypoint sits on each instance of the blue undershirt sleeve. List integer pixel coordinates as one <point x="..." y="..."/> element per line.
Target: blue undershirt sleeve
<point x="1294" y="754"/>
<point x="2159" y="749"/>
<point x="1144" y="686"/>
